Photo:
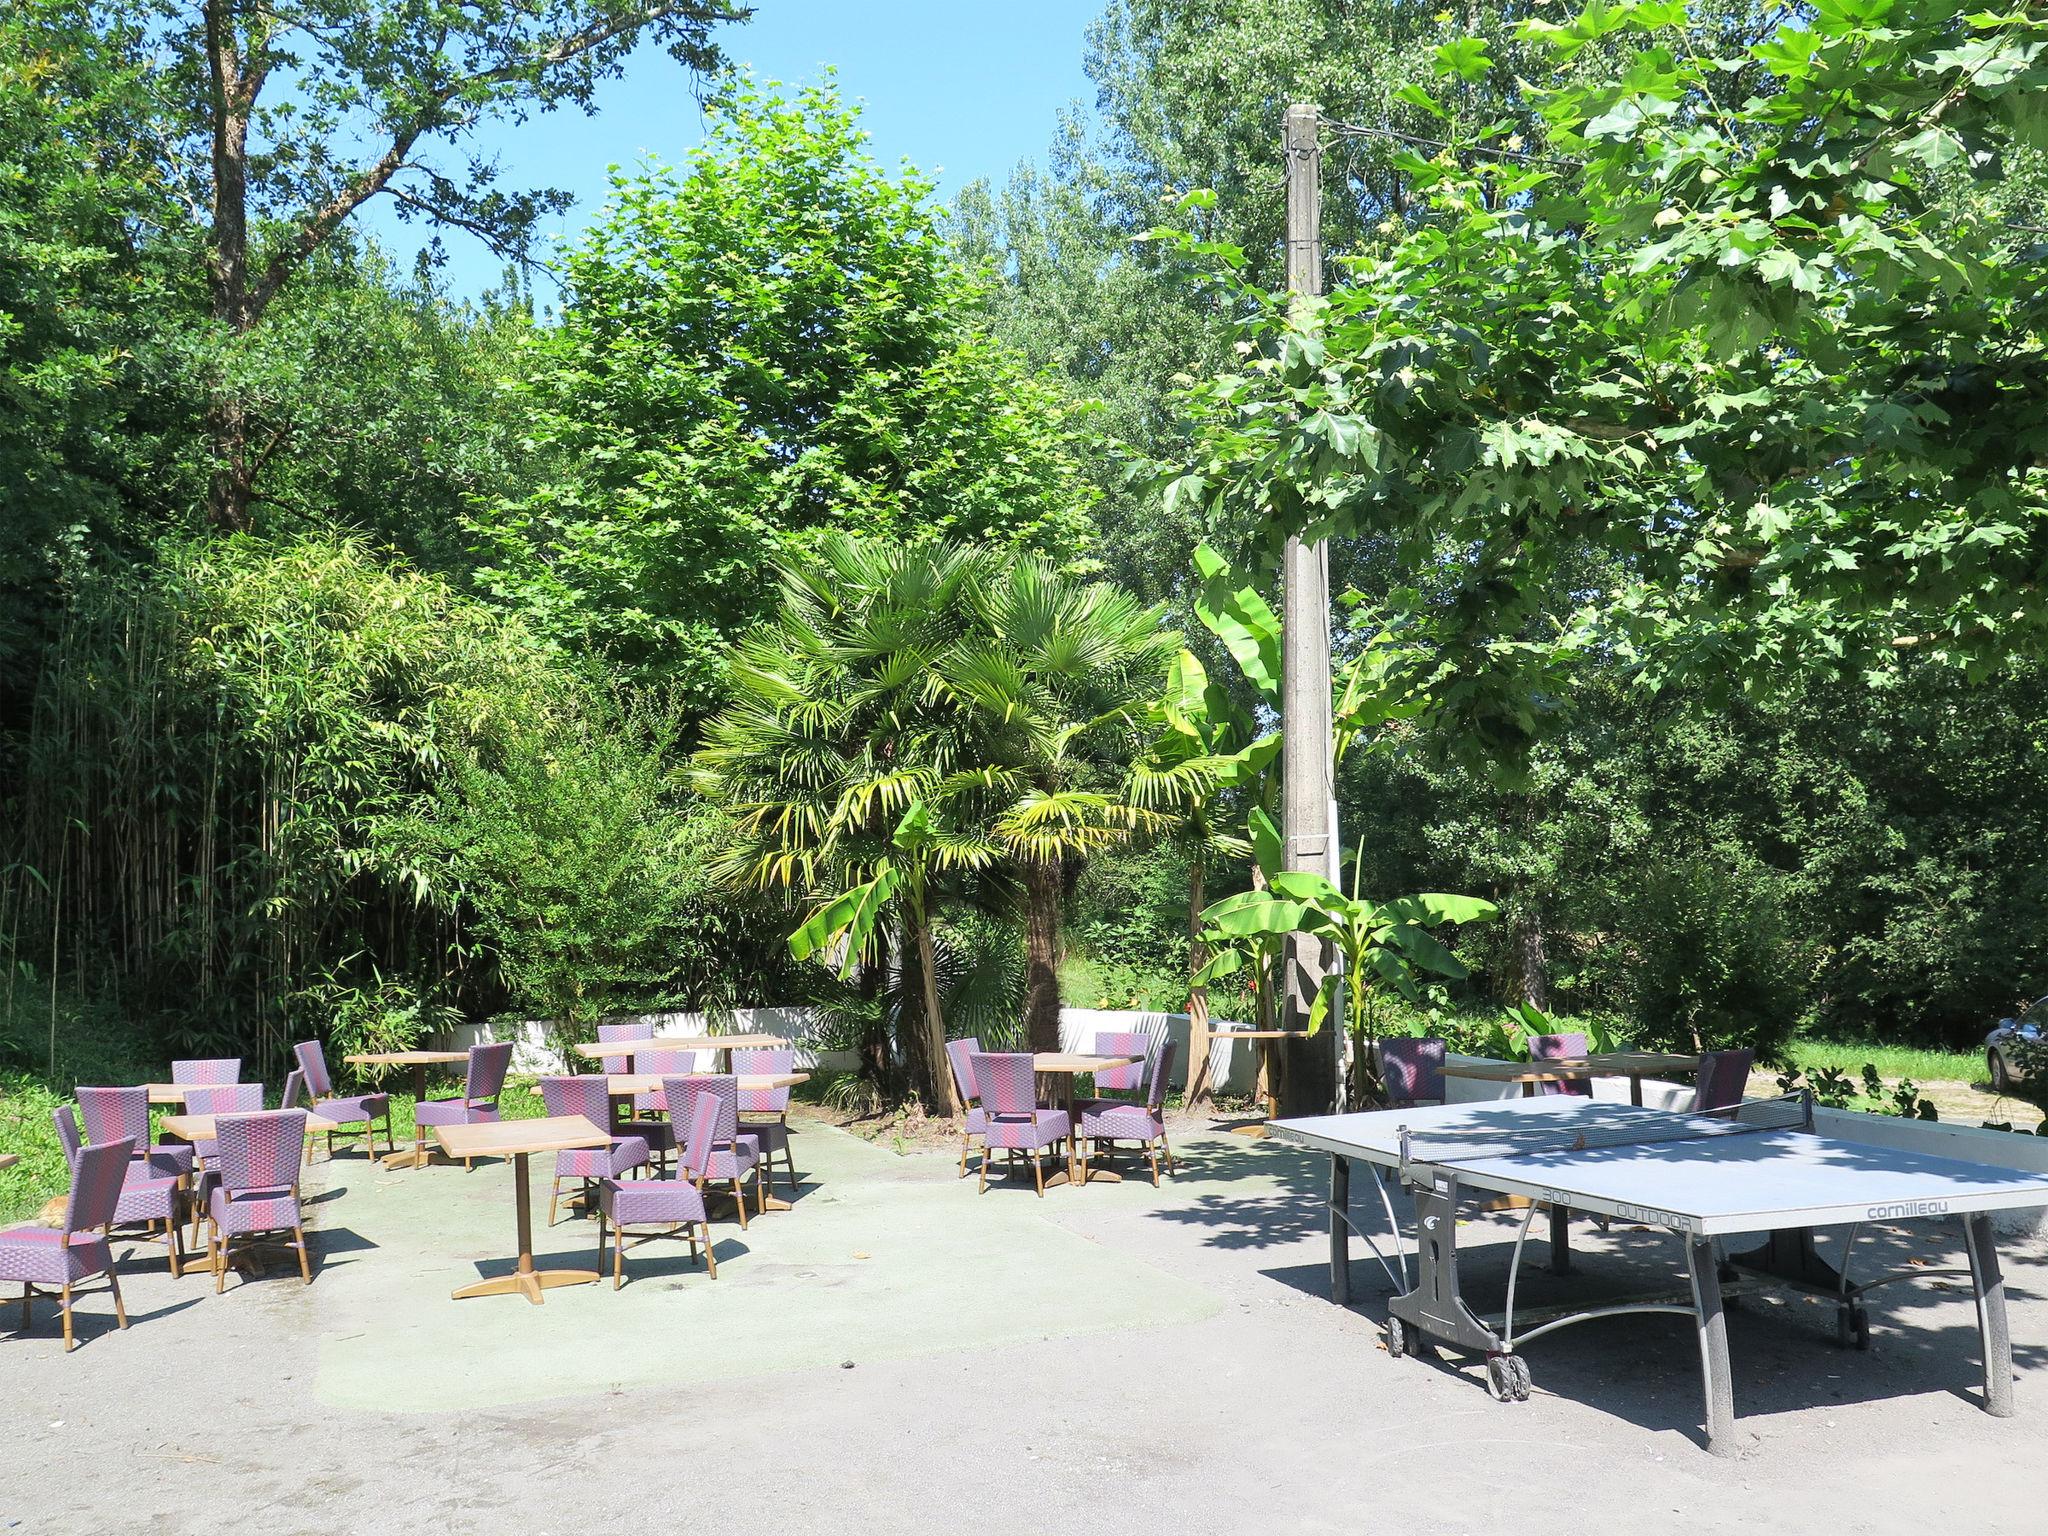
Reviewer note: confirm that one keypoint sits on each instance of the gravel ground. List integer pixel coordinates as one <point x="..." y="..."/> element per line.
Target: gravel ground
<point x="898" y="1353"/>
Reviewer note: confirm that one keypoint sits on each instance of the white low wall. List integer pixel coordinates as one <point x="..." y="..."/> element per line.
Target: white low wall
<point x="1233" y="1064"/>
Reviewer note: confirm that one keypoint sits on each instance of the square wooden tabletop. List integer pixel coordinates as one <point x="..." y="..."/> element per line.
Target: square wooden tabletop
<point x="404" y="1058"/>
<point x="1076" y="1061"/>
<point x="594" y="1050"/>
<point x="200" y="1127"/>
<point x="509" y="1138"/>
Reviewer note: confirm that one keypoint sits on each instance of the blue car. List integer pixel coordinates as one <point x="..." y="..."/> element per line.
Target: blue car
<point x="2011" y="1048"/>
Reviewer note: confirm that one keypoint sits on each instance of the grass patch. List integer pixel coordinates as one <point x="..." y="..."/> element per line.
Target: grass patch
<point x="1920" y="1063"/>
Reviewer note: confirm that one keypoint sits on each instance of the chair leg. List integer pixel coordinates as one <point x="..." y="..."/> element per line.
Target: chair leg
<point x="171" y="1244"/>
<point x="64" y="1301"/>
<point x="554" y="1194"/>
<point x="120" y="1307"/>
<point x="218" y="1240"/>
<point x="710" y="1258"/>
<point x="305" y="1263"/>
<point x="1152" y="1153"/>
<point x="739" y="1198"/>
<point x="1038" y="1170"/>
<point x="618" y="1258"/>
<point x="1167" y="1148"/>
<point x="27" y="1293"/>
<point x="984" y="1168"/>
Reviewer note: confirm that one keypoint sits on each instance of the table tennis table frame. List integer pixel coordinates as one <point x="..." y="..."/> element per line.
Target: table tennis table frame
<point x="1434" y="1306"/>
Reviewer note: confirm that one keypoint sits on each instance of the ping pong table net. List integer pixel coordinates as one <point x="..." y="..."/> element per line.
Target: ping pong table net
<point x="1499" y="1136"/>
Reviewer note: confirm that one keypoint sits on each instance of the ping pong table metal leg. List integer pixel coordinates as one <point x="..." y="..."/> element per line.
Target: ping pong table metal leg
<point x="1340" y="1229"/>
<point x="1989" y="1283"/>
<point x="1435" y="1307"/>
<point x="1560" y="1240"/>
<point x="1712" y="1324"/>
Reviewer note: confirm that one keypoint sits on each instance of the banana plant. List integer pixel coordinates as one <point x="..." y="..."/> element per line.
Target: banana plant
<point x="1382" y="946"/>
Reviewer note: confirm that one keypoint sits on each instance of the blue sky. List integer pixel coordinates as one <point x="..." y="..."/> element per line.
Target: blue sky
<point x="964" y="88"/>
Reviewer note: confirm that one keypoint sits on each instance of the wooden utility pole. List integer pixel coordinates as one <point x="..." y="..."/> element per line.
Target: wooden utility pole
<point x="1310" y="1081"/>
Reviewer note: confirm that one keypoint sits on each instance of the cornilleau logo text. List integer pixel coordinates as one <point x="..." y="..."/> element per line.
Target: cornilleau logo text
<point x="1907" y="1208"/>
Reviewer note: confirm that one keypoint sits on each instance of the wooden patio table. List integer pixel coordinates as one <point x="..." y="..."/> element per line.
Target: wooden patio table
<point x="519" y="1140"/>
<point x="419" y="1061"/>
<point x="197" y="1128"/>
<point x="1633" y="1065"/>
<point x="1071" y="1065"/>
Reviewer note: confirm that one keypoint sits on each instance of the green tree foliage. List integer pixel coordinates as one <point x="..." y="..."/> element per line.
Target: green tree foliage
<point x="261" y="776"/>
<point x="275" y="122"/>
<point x="1725" y="349"/>
<point x="83" y="288"/>
<point x="773" y="342"/>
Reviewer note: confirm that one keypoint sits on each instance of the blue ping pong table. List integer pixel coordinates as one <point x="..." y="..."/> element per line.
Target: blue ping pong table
<point x="1760" y="1170"/>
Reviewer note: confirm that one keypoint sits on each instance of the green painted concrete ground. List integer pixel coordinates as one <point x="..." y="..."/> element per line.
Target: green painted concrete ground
<point x="902" y="1270"/>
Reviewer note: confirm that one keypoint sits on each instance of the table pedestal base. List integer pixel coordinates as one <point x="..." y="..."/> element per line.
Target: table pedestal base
<point x="528" y="1282"/>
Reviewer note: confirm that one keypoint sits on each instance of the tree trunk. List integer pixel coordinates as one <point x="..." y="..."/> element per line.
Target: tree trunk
<point x="1042" y="894"/>
<point x="1198" y="997"/>
<point x="1530" y="960"/>
<point x="935" y="1077"/>
<point x="231" y="488"/>
<point x="874" y="1045"/>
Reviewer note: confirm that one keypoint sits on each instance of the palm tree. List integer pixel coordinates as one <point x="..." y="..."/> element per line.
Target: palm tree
<point x="832" y="753"/>
<point x="1061" y="675"/>
<point x="915" y="717"/>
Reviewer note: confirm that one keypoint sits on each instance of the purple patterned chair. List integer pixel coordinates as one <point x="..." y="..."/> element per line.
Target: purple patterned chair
<point x="1015" y="1123"/>
<point x="1412" y="1070"/>
<point x="208" y="1070"/>
<point x="772" y="1133"/>
<point x="586" y="1096"/>
<point x="478" y="1103"/>
<point x="675" y="1205"/>
<point x="122" y="1114"/>
<point x="364" y="1109"/>
<point x="215" y="1099"/>
<point x="734" y="1158"/>
<point x="1107" y="1121"/>
<point x="645" y="1120"/>
<point x="1560" y="1048"/>
<point x="1722" y="1081"/>
<point x="78" y="1250"/>
<point x="147" y="1196"/>
<point x="607" y="1033"/>
<point x="256" y="1185"/>
<point x="961" y="1054"/>
<point x="1123" y="1085"/>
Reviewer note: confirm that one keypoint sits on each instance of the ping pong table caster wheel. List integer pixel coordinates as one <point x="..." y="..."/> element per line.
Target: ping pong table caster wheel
<point x="1507" y="1378"/>
<point x="1397" y="1337"/>
<point x="1852" y="1327"/>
